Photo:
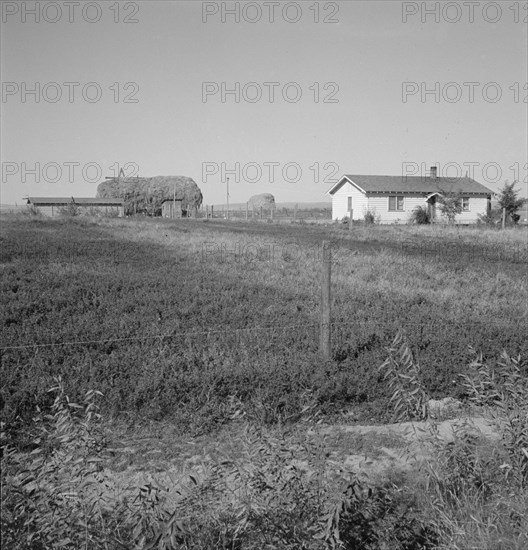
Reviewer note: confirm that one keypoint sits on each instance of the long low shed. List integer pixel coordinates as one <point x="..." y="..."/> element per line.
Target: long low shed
<point x="56" y="206"/>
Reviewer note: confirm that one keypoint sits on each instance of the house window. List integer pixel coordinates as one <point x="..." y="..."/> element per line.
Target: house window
<point x="465" y="204"/>
<point x="349" y="204"/>
<point x="396" y="203"/>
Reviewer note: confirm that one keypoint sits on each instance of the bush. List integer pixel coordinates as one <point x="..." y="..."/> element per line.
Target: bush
<point x="70" y="210"/>
<point x="492" y="217"/>
<point x="55" y="493"/>
<point x="32" y="210"/>
<point x="420" y="215"/>
<point x="371" y="217"/>
<point x="450" y="205"/>
<point x="504" y="392"/>
<point x="509" y="199"/>
<point x="476" y="496"/>
<point x="60" y="495"/>
<point x="403" y="375"/>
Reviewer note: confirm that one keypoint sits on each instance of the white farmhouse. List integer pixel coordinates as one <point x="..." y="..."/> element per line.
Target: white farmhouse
<point x="393" y="198"/>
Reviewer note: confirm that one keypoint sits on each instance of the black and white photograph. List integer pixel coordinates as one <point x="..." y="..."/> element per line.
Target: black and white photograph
<point x="264" y="275"/>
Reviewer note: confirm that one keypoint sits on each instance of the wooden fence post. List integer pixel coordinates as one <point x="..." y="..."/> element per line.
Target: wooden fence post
<point x="212" y="211"/>
<point x="325" y="344"/>
<point x="350" y="220"/>
<point x="503" y="218"/>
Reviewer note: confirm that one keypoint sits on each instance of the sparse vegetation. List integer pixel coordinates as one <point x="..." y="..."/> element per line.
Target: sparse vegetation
<point x="70" y="210"/>
<point x="491" y="218"/>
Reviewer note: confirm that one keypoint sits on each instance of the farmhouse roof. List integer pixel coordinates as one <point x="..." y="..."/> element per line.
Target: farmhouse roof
<point x="413" y="184"/>
<point x="51" y="201"/>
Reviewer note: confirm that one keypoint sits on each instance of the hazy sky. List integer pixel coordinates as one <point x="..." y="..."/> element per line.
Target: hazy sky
<point x="347" y="94"/>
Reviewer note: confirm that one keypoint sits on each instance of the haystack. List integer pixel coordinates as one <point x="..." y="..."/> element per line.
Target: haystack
<point x="266" y="200"/>
<point x="147" y="194"/>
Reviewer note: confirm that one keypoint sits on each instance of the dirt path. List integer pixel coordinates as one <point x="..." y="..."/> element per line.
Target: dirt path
<point x="159" y="457"/>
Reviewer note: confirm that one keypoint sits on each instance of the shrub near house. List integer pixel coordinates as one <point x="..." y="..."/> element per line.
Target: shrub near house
<point x="394" y="198"/>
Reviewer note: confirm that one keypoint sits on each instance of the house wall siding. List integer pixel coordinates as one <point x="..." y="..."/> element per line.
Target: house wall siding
<point x="380" y="206"/>
<point x="340" y="202"/>
<point x="477" y="205"/>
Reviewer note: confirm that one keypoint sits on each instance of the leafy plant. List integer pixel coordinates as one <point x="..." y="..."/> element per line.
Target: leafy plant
<point x="503" y="391"/>
<point x="56" y="494"/>
<point x="408" y="398"/>
<point x="420" y="215"/>
<point x="70" y="210"/>
<point x="509" y="199"/>
<point x="371" y="217"/>
<point x="33" y="210"/>
<point x="450" y="205"/>
<point x="491" y="218"/>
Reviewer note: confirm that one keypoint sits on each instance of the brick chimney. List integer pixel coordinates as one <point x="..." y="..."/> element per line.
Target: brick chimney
<point x="433" y="173"/>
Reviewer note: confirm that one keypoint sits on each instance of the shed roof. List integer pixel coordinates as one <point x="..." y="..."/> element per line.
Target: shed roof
<point x="52" y="201"/>
<point x="413" y="184"/>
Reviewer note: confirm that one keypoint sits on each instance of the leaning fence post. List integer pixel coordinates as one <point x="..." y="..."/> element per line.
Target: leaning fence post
<point x="325" y="335"/>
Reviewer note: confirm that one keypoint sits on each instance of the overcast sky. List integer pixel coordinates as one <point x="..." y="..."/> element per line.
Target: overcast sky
<point x="349" y="94"/>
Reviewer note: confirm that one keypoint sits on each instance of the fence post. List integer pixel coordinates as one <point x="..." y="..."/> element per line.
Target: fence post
<point x="212" y="211"/>
<point x="350" y="220"/>
<point x="503" y="218"/>
<point x="325" y="344"/>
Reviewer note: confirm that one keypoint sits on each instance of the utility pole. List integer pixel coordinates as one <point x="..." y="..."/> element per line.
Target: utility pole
<point x="227" y="198"/>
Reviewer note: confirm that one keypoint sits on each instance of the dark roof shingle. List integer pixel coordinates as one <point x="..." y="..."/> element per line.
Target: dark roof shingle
<point x="415" y="184"/>
<point x="51" y="201"/>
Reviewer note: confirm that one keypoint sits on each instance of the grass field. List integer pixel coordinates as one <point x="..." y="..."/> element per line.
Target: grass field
<point x="181" y="323"/>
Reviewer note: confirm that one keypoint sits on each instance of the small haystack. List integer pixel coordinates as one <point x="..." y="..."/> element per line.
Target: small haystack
<point x="145" y="195"/>
<point x="264" y="200"/>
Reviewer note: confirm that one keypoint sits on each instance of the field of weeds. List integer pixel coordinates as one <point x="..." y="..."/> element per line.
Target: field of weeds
<point x="202" y="337"/>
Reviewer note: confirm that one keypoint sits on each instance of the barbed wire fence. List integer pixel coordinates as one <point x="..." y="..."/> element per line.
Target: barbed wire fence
<point x="326" y="335"/>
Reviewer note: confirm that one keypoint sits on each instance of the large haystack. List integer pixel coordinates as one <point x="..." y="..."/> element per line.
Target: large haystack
<point x="145" y="195"/>
<point x="266" y="200"/>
